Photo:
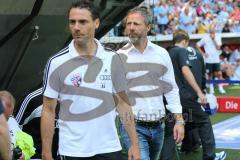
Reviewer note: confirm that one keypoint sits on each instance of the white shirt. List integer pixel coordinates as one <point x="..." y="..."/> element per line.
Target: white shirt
<point x="152" y="108"/>
<point x="210" y="48"/>
<point x="92" y="136"/>
<point x="13" y="129"/>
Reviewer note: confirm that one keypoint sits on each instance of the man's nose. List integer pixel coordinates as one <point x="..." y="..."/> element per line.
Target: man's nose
<point x="131" y="27"/>
<point x="76" y="26"/>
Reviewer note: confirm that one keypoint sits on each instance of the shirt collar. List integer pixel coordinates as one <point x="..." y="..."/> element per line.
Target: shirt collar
<point x="150" y="45"/>
<point x="99" y="53"/>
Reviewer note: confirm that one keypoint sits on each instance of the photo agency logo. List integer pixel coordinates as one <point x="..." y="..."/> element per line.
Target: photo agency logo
<point x="119" y="69"/>
<point x="168" y="117"/>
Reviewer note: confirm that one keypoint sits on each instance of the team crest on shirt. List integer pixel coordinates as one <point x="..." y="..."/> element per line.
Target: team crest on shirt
<point x="76" y="80"/>
<point x="192" y="55"/>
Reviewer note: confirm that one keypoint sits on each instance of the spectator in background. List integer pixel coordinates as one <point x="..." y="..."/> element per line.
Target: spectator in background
<point x="226" y="28"/>
<point x="229" y="6"/>
<point x="236" y="75"/>
<point x="186" y="21"/>
<point x="235" y="60"/>
<point x="226" y="66"/>
<point x="235" y="28"/>
<point x="199" y="9"/>
<point x="235" y="14"/>
<point x="204" y="24"/>
<point x="235" y="56"/>
<point x="207" y="8"/>
<point x="221" y="19"/>
<point x="162" y="16"/>
<point x="5" y="152"/>
<point x="223" y="15"/>
<point x="212" y="43"/>
<point x="226" y="52"/>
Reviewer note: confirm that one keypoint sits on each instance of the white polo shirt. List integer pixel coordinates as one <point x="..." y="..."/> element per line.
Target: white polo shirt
<point x="213" y="53"/>
<point x="152" y="108"/>
<point x="94" y="135"/>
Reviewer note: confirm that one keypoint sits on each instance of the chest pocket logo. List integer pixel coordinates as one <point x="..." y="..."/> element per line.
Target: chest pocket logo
<point x="105" y="77"/>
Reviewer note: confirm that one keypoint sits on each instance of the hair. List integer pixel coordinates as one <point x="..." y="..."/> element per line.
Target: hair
<point x="86" y="4"/>
<point x="9" y="96"/>
<point x="144" y="12"/>
<point x="180" y="35"/>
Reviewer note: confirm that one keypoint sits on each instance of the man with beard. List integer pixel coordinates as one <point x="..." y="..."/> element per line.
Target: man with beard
<point x="150" y="75"/>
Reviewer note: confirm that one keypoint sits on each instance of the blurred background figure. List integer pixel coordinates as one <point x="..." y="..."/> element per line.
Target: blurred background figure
<point x="161" y="13"/>
<point x="226" y="67"/>
<point x="4" y="136"/>
<point x="21" y="143"/>
<point x="9" y="103"/>
<point x="212" y="44"/>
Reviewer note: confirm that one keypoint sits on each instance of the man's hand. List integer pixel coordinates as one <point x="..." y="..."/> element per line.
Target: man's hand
<point x="134" y="153"/>
<point x="178" y="132"/>
<point x="205" y="55"/>
<point x="22" y="157"/>
<point x="202" y="98"/>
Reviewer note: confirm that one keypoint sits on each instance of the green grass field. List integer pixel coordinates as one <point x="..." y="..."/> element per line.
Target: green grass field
<point x="231" y="154"/>
<point x="233" y="90"/>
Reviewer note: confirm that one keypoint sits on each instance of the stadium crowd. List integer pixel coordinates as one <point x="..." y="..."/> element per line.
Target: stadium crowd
<point x="194" y="16"/>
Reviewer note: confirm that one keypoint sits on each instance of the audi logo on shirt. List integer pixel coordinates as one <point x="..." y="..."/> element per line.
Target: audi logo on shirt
<point x="105" y="77"/>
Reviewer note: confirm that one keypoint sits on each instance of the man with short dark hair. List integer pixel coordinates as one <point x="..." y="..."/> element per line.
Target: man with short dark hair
<point x="88" y="81"/>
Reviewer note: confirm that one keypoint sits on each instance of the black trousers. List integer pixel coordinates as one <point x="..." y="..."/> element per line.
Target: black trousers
<point x="195" y="118"/>
<point x="198" y="119"/>
<point x="105" y="156"/>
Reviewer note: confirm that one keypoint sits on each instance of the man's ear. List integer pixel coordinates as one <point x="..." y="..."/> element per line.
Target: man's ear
<point x="185" y="43"/>
<point x="149" y="26"/>
<point x="97" y="23"/>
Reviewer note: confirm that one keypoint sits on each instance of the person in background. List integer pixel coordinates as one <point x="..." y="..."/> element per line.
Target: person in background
<point x="21" y="143"/>
<point x="5" y="152"/>
<point x="226" y="67"/>
<point x="28" y="115"/>
<point x="212" y="45"/>
<point x="9" y="103"/>
<point x="189" y="72"/>
<point x="149" y="111"/>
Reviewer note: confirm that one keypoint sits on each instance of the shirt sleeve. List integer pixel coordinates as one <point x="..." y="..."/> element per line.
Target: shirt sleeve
<point x="182" y="58"/>
<point x="201" y="42"/>
<point x="50" y="81"/>
<point x="172" y="97"/>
